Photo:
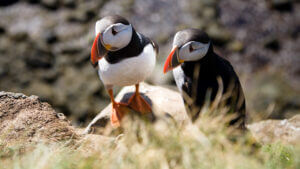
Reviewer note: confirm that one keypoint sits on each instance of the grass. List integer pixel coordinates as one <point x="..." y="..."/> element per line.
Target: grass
<point x="207" y="144"/>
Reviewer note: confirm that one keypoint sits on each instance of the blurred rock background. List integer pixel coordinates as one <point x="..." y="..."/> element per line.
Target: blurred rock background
<point x="45" y="47"/>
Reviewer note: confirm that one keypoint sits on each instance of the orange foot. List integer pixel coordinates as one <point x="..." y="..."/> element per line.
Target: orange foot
<point x="139" y="104"/>
<point x="118" y="112"/>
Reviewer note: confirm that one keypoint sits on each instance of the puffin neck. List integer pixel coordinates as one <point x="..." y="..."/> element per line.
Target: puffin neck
<point x="134" y="48"/>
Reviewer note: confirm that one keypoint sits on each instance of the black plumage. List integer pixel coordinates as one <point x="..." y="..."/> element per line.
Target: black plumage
<point x="200" y="79"/>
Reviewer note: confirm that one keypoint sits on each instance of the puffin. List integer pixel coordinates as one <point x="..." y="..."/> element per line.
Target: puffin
<point x="200" y="74"/>
<point x="122" y="57"/>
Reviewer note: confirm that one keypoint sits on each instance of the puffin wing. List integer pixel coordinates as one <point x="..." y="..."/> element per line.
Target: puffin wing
<point x="145" y="40"/>
<point x="155" y="46"/>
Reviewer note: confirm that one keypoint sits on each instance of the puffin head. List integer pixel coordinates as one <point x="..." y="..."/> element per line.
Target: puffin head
<point x="188" y="45"/>
<point x="112" y="33"/>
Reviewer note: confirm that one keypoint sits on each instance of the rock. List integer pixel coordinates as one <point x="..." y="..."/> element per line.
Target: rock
<point x="23" y="33"/>
<point x="2" y="30"/>
<point x="69" y="3"/>
<point x="254" y="33"/>
<point x="3" y="71"/>
<point x="50" y="4"/>
<point x="164" y="103"/>
<point x="272" y="44"/>
<point x="33" y="1"/>
<point x="68" y="89"/>
<point x="7" y="2"/>
<point x="26" y="119"/>
<point x="40" y="59"/>
<point x="219" y="36"/>
<point x="50" y="37"/>
<point x="235" y="46"/>
<point x="19" y="36"/>
<point x="78" y="16"/>
<point x="85" y="13"/>
<point x="281" y="5"/>
<point x="270" y="131"/>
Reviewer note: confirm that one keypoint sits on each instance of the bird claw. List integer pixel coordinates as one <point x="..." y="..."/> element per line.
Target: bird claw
<point x="118" y="112"/>
<point x="139" y="104"/>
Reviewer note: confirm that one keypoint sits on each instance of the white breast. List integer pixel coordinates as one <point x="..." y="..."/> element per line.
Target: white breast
<point x="129" y="71"/>
<point x="179" y="77"/>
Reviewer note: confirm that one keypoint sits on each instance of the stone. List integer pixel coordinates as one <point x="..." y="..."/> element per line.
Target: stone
<point x="272" y="44"/>
<point x="40" y="59"/>
<point x="19" y="36"/>
<point x="164" y="103"/>
<point x="2" y="30"/>
<point x="22" y="34"/>
<point x="3" y="71"/>
<point x="281" y="5"/>
<point x="69" y="3"/>
<point x="50" y="37"/>
<point x="270" y="131"/>
<point x="236" y="46"/>
<point x="50" y="4"/>
<point x="7" y="2"/>
<point x="26" y="119"/>
<point x="219" y="35"/>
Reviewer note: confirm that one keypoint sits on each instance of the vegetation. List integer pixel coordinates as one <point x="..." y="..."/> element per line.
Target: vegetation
<point x="208" y="143"/>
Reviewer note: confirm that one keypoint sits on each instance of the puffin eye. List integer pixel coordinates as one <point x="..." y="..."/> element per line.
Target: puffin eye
<point x="113" y="31"/>
<point x="191" y="48"/>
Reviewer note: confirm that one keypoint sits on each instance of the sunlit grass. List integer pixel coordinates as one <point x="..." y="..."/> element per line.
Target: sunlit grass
<point x="208" y="143"/>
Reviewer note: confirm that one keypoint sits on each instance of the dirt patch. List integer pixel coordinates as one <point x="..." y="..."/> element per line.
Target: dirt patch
<point x="27" y="119"/>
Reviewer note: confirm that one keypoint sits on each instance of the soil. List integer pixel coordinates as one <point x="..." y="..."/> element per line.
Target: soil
<point x="27" y="119"/>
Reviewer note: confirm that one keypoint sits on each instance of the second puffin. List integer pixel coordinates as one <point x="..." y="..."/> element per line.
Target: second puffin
<point x="123" y="57"/>
<point x="200" y="74"/>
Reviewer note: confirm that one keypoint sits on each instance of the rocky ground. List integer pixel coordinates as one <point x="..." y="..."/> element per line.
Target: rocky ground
<point x="33" y="135"/>
<point x="45" y="47"/>
<point x="271" y="131"/>
<point x="27" y="120"/>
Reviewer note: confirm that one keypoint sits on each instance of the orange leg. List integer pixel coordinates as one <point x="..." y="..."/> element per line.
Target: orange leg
<point x="138" y="103"/>
<point x="118" y="110"/>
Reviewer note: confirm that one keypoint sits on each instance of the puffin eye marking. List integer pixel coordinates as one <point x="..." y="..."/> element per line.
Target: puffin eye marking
<point x="191" y="48"/>
<point x="113" y="31"/>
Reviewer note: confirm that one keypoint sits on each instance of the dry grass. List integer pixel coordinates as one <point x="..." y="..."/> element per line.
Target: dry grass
<point x="208" y="143"/>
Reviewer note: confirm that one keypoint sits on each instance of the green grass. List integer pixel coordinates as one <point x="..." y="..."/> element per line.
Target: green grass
<point x="207" y="144"/>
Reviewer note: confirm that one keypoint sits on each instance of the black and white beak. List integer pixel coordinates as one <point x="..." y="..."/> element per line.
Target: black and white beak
<point x="172" y="60"/>
<point x="98" y="51"/>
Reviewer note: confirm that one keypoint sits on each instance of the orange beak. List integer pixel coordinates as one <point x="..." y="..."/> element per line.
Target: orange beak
<point x="97" y="51"/>
<point x="172" y="60"/>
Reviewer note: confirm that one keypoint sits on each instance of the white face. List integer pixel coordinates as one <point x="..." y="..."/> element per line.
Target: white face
<point x="192" y="51"/>
<point x="117" y="36"/>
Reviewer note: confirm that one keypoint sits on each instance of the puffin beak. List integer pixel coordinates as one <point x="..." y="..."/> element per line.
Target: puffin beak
<point x="97" y="51"/>
<point x="172" y="60"/>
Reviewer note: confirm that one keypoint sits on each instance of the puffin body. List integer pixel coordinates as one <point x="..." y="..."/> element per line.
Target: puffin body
<point x="196" y="70"/>
<point x="129" y="71"/>
<point x="123" y="57"/>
